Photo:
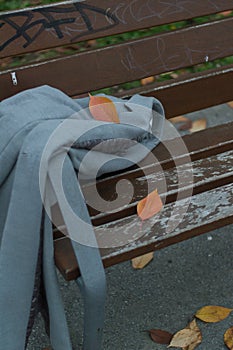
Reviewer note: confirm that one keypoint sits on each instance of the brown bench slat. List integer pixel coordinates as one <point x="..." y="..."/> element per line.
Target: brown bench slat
<point x="207" y="211"/>
<point x="199" y="145"/>
<point x="49" y="26"/>
<point x="207" y="174"/>
<point x="191" y="208"/>
<point x="192" y="92"/>
<point x="126" y="62"/>
<point x="204" y="175"/>
<point x="206" y="143"/>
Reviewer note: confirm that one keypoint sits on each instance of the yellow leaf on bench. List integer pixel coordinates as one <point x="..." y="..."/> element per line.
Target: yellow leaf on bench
<point x="149" y="206"/>
<point x="102" y="108"/>
<point x="141" y="261"/>
<point x="212" y="313"/>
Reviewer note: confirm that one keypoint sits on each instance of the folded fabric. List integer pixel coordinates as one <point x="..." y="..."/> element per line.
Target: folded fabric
<point x="38" y="128"/>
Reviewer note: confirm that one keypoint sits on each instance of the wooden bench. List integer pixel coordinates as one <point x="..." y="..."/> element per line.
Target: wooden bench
<point x="208" y="198"/>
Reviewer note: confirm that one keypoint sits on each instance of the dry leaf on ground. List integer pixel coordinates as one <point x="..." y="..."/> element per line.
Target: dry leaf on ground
<point x="149" y="206"/>
<point x="187" y="338"/>
<point x="146" y="81"/>
<point x="92" y="42"/>
<point x="198" y="125"/>
<point x="228" y="338"/>
<point x="178" y="119"/>
<point x="212" y="313"/>
<point x="185" y="123"/>
<point x="102" y="108"/>
<point x="174" y="75"/>
<point x="141" y="261"/>
<point x="226" y="13"/>
<point x="159" y="336"/>
<point x="230" y="104"/>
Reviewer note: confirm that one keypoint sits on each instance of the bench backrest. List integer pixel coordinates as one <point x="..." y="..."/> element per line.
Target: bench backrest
<point x="166" y="49"/>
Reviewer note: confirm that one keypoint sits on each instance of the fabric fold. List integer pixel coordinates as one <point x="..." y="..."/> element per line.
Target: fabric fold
<point x="46" y="139"/>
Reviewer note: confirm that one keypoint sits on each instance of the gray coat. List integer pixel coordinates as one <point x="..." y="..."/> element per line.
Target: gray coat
<point x="38" y="127"/>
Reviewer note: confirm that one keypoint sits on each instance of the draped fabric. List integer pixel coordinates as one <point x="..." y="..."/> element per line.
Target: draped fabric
<point x="45" y="134"/>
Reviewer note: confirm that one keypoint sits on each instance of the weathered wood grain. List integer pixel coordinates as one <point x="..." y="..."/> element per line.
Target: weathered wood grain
<point x="196" y="147"/>
<point x="206" y="211"/>
<point x="204" y="208"/>
<point x="116" y="64"/>
<point x="184" y="180"/>
<point x="73" y="21"/>
<point x="190" y="93"/>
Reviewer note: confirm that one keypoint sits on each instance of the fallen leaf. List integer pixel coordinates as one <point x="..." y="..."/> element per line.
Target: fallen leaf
<point x="141" y="261"/>
<point x="226" y="13"/>
<point x="228" y="338"/>
<point x="187" y="338"/>
<point x="212" y="313"/>
<point x="102" y="108"/>
<point x="92" y="42"/>
<point x="147" y="80"/>
<point x="174" y="75"/>
<point x="186" y="123"/>
<point x="159" y="336"/>
<point x="149" y="206"/>
<point x="197" y="125"/>
<point x="178" y="119"/>
<point x="230" y="104"/>
<point x="66" y="49"/>
<point x="190" y="347"/>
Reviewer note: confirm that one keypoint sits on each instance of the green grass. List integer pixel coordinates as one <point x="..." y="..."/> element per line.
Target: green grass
<point x="17" y="4"/>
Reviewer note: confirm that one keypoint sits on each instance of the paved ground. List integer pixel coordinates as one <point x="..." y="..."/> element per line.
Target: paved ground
<point x="181" y="279"/>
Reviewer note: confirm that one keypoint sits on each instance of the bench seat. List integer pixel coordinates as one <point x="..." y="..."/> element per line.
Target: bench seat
<point x="182" y="52"/>
<point x="211" y="205"/>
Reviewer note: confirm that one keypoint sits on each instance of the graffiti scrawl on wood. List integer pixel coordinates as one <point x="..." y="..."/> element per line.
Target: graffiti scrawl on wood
<point x="73" y="21"/>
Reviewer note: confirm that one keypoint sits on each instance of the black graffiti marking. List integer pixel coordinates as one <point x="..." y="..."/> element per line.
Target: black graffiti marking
<point x="50" y="22"/>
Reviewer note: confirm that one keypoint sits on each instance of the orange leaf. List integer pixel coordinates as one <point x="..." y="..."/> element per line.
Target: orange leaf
<point x="230" y="104"/>
<point x="226" y="13"/>
<point x="141" y="261"/>
<point x="228" y="338"/>
<point x="102" y="108"/>
<point x="149" y="206"/>
<point x="198" y="125"/>
<point x="92" y="42"/>
<point x="184" y="121"/>
<point x="147" y="80"/>
<point x="178" y="119"/>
